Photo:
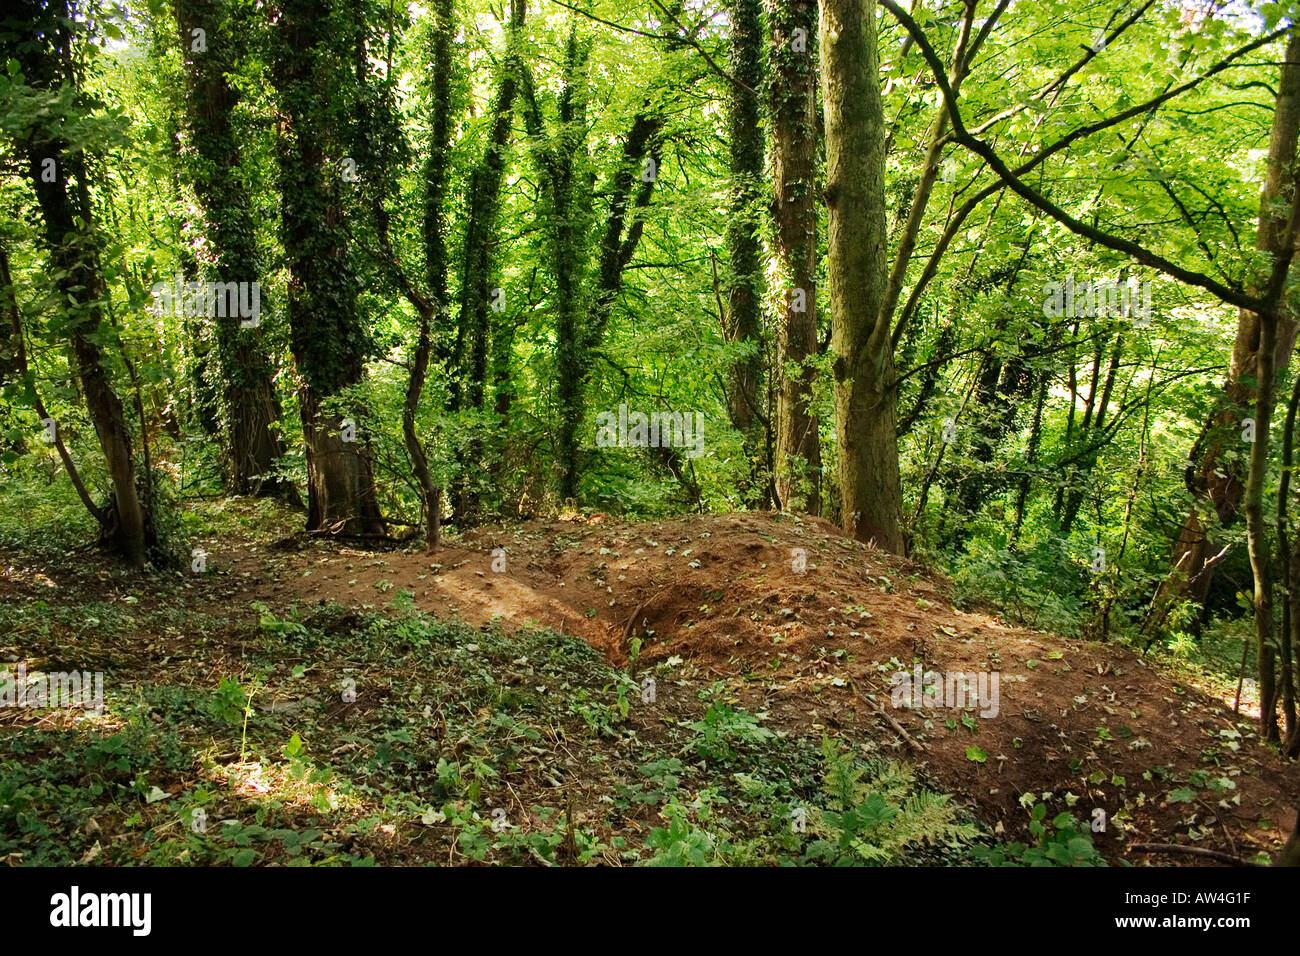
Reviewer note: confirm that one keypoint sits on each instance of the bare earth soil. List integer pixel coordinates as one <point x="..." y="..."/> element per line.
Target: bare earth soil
<point x="1079" y="720"/>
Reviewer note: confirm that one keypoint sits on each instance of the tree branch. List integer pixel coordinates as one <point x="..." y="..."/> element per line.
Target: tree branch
<point x="1140" y="254"/>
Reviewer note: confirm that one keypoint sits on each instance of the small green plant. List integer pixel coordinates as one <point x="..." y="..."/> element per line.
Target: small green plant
<point x="231" y="703"/>
<point x="407" y="623"/>
<point x="270" y="624"/>
<point x="722" y="728"/>
<point x="301" y="768"/>
<point x="681" y="843"/>
<point x="1062" y="841"/>
<point x="547" y="842"/>
<point x="662" y="780"/>
<point x="248" y="712"/>
<point x="227" y="702"/>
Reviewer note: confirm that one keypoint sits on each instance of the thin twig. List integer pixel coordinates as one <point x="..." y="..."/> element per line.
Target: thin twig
<point x="1191" y="851"/>
<point x="898" y="728"/>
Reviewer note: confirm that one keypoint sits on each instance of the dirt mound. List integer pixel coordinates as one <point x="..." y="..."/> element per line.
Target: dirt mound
<point x="810" y="627"/>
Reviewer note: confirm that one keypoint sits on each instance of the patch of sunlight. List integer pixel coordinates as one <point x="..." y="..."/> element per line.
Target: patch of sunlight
<point x="294" y="783"/>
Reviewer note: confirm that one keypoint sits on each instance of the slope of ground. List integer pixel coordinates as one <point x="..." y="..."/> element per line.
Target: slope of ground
<point x="1092" y="725"/>
<point x="789" y="620"/>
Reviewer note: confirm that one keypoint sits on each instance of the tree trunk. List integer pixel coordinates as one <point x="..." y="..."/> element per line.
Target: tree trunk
<point x="793" y="106"/>
<point x="1290" y="855"/>
<point x="1215" y="478"/>
<point x="473" y="333"/>
<point x="74" y="261"/>
<point x="994" y="417"/>
<point x="580" y="328"/>
<point x="1031" y="450"/>
<point x="251" y="408"/>
<point x="1257" y="532"/>
<point x="387" y="140"/>
<point x="435" y="261"/>
<point x="569" y="202"/>
<point x="1286" y="562"/>
<point x="744" y="315"/>
<point x="1092" y="424"/>
<point x="871" y="499"/>
<point x="340" y="479"/>
<point x="12" y="350"/>
<point x="1276" y="236"/>
<point x="77" y="262"/>
<point x="326" y="334"/>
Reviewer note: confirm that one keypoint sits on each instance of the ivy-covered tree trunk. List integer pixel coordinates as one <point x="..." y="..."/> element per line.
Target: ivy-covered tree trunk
<point x="212" y="161"/>
<point x="570" y="205"/>
<point x="871" y="497"/>
<point x="793" y="107"/>
<point x="582" y="312"/>
<point x="483" y="203"/>
<point x="310" y="65"/>
<point x="744" y="316"/>
<point x="386" y="151"/>
<point x="74" y="255"/>
<point x="435" y="260"/>
<point x="477" y="295"/>
<point x="630" y="188"/>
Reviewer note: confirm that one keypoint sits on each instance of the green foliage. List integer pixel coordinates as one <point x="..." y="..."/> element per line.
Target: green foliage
<point x="53" y="780"/>
<point x="1062" y="841"/>
<point x="228" y="702"/>
<point x="681" y="843"/>
<point x="50" y="515"/>
<point x="1011" y="504"/>
<point x="1028" y="586"/>
<point x="724" y="729"/>
<point x="1067" y="432"/>
<point x="873" y="815"/>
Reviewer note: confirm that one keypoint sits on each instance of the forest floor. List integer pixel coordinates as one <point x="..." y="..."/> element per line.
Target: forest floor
<point x="482" y="718"/>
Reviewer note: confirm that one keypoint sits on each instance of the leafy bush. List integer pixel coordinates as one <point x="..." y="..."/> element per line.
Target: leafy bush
<point x="1028" y="586"/>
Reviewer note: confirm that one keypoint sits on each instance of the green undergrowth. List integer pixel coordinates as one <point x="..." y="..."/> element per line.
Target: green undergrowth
<point x="324" y="736"/>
